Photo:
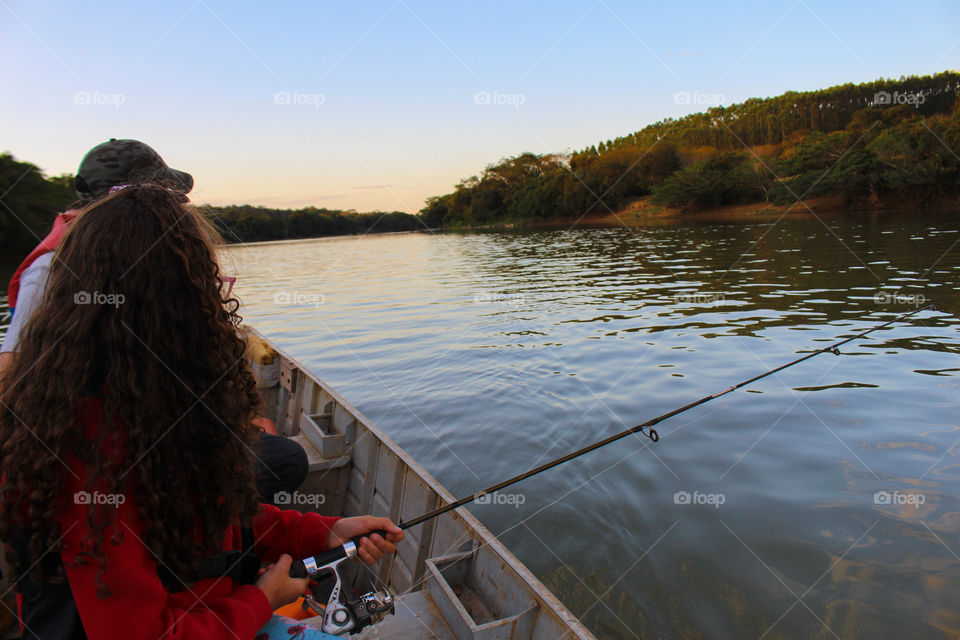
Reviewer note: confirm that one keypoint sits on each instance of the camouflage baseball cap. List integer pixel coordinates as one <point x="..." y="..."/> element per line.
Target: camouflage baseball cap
<point x="126" y="162"/>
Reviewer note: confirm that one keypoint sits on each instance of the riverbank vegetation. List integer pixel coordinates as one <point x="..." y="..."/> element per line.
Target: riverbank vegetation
<point x="29" y="201"/>
<point x="246" y="223"/>
<point x="887" y="143"/>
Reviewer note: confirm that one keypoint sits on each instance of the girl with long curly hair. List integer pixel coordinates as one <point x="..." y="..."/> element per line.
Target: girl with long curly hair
<point x="125" y="443"/>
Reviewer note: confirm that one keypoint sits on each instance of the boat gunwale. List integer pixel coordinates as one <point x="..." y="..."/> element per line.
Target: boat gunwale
<point x="533" y="583"/>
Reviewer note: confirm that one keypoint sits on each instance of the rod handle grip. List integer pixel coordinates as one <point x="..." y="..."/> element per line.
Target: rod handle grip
<point x="380" y="532"/>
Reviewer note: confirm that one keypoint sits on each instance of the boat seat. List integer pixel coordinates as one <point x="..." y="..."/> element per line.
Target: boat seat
<point x="315" y="461"/>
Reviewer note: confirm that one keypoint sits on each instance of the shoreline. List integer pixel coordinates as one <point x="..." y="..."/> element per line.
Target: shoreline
<point x="644" y="213"/>
<point x="325" y="237"/>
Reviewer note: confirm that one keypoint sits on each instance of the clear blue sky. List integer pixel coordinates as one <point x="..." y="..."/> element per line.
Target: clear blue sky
<point x="373" y="105"/>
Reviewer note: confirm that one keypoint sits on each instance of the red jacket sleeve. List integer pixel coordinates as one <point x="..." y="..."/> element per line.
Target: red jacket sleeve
<point x="300" y="534"/>
<point x="139" y="607"/>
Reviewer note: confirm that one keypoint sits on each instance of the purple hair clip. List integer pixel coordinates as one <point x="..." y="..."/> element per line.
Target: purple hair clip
<point x="181" y="197"/>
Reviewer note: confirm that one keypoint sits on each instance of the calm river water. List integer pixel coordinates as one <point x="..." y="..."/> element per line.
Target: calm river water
<point x="821" y="502"/>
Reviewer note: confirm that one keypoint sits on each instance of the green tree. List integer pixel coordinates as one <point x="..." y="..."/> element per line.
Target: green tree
<point x="728" y="178"/>
<point x="30" y="203"/>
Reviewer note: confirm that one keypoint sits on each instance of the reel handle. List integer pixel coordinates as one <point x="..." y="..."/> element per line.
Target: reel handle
<point x="309" y="566"/>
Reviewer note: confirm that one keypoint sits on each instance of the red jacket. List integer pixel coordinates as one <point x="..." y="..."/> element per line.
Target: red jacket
<point x="140" y="607"/>
<point x="60" y="227"/>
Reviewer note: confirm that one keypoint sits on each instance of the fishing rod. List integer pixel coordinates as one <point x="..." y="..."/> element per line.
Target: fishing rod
<point x="355" y="614"/>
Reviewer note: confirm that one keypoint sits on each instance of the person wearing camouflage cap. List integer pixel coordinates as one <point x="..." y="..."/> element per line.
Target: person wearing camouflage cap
<point x="111" y="164"/>
<point x="117" y="163"/>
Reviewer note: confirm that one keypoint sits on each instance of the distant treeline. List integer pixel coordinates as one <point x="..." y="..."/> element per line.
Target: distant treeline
<point x="29" y="202"/>
<point x="246" y="223"/>
<point x="871" y="143"/>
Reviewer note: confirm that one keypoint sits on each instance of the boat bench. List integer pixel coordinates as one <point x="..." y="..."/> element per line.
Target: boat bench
<point x="315" y="459"/>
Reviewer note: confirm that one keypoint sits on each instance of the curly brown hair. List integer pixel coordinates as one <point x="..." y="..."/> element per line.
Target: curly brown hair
<point x="166" y="356"/>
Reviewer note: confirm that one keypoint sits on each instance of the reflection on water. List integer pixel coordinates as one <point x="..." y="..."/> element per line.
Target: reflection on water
<point x="821" y="502"/>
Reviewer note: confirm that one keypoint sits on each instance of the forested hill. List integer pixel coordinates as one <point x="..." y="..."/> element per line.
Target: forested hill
<point x="29" y="202"/>
<point x="872" y="143"/>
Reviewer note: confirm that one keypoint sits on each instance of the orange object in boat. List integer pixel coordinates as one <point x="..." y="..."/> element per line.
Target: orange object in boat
<point x="295" y="611"/>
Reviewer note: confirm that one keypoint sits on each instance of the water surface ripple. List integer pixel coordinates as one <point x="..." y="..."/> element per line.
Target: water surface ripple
<point x="820" y="501"/>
